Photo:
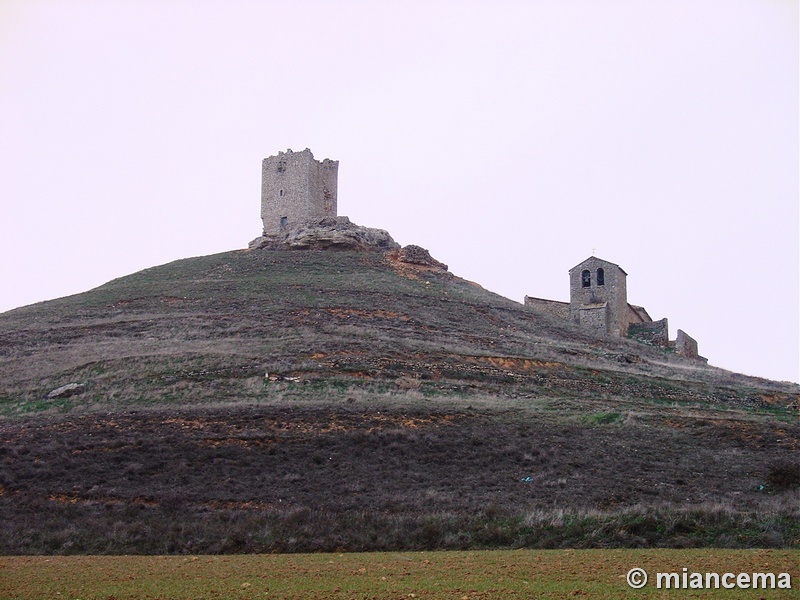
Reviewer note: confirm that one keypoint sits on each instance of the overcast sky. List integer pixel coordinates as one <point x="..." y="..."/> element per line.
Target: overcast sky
<point x="511" y="139"/>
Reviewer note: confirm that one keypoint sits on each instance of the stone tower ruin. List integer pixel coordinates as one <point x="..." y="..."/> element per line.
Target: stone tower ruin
<point x="295" y="187"/>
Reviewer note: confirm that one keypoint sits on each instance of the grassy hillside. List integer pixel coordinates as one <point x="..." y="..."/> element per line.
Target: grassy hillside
<point x="320" y="400"/>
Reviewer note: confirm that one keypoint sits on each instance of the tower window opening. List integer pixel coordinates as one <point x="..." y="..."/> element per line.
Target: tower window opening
<point x="586" y="279"/>
<point x="601" y="277"/>
<point x="284" y="221"/>
<point x="281" y="193"/>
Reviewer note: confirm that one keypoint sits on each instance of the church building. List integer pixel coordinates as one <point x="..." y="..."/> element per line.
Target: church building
<point x="598" y="302"/>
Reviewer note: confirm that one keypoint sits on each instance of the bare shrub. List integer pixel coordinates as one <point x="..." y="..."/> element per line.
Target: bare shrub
<point x="407" y="383"/>
<point x="784" y="475"/>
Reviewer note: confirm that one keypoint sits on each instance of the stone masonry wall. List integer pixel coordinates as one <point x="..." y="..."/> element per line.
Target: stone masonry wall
<point x="296" y="187"/>
<point x="557" y="309"/>
<point x="654" y="333"/>
<point x="594" y="317"/>
<point x="637" y="314"/>
<point x="685" y="345"/>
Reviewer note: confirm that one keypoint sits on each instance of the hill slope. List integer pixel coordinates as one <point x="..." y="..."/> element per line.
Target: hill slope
<point x="162" y="334"/>
<point x="305" y="400"/>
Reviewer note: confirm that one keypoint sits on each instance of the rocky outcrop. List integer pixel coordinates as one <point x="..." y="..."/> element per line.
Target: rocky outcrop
<point x="327" y="233"/>
<point x="417" y="255"/>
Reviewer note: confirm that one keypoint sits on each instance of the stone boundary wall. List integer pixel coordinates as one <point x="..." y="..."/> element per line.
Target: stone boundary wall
<point x="557" y="309"/>
<point x="685" y="345"/>
<point x="655" y="333"/>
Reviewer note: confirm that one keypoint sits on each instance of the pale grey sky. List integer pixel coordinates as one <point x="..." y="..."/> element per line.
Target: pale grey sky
<point x="510" y="138"/>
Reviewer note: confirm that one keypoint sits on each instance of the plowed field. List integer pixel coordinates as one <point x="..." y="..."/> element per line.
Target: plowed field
<point x="450" y="575"/>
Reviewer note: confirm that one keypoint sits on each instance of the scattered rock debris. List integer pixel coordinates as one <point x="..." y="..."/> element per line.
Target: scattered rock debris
<point x="65" y="391"/>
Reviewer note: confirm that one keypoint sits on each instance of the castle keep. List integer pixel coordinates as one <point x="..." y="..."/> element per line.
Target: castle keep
<point x="598" y="302"/>
<point x="299" y="208"/>
<point x="295" y="187"/>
